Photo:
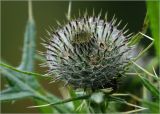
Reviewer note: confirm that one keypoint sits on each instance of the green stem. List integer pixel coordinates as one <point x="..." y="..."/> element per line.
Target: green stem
<point x="20" y="71"/>
<point x="60" y="102"/>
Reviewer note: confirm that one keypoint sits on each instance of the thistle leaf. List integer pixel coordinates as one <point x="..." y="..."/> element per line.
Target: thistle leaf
<point x="27" y="62"/>
<point x="14" y="79"/>
<point x="19" y="71"/>
<point x="10" y="95"/>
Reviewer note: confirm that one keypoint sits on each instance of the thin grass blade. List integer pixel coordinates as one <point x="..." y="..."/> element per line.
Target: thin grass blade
<point x="63" y="101"/>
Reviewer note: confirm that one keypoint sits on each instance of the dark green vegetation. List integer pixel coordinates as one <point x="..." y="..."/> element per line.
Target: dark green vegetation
<point x="138" y="92"/>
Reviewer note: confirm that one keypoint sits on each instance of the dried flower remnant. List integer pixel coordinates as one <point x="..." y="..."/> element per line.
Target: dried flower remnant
<point x="89" y="52"/>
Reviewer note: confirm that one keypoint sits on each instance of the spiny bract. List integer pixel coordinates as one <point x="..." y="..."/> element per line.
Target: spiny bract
<point x="89" y="52"/>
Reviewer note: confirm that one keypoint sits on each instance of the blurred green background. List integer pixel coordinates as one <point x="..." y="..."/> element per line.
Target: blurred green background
<point x="14" y="17"/>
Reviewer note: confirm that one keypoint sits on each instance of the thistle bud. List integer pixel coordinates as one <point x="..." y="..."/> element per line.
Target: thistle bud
<point x="89" y="52"/>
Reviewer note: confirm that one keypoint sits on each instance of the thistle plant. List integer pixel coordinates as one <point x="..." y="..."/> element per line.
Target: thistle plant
<point x="91" y="53"/>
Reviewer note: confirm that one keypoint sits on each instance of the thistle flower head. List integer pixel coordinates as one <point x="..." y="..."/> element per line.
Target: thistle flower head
<point x="89" y="52"/>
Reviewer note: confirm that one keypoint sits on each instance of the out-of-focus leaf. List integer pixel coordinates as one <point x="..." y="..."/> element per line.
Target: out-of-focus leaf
<point x="14" y="95"/>
<point x="23" y="86"/>
<point x="63" y="108"/>
<point x="45" y="109"/>
<point x="63" y="101"/>
<point x="77" y="104"/>
<point x="29" y="47"/>
<point x="12" y="75"/>
<point x="15" y="79"/>
<point x="73" y="95"/>
<point x="7" y="90"/>
<point x="154" y="107"/>
<point x="28" y="55"/>
<point x="19" y="71"/>
<point x="27" y="62"/>
<point x="120" y="100"/>
<point x="155" y="92"/>
<point x="145" y="71"/>
<point x="153" y="8"/>
<point x="152" y="64"/>
<point x="40" y="58"/>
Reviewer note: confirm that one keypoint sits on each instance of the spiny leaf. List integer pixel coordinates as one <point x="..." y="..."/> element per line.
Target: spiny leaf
<point x="15" y="95"/>
<point x="27" y="62"/>
<point x="7" y="90"/>
<point x="29" y="48"/>
<point x="28" y="55"/>
<point x="15" y="79"/>
<point x="25" y="86"/>
<point x="19" y="71"/>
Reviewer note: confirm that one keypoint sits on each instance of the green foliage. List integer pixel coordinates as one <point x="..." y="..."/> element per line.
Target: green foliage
<point x="153" y="8"/>
<point x="23" y="81"/>
<point x="12" y="95"/>
<point x="155" y="92"/>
